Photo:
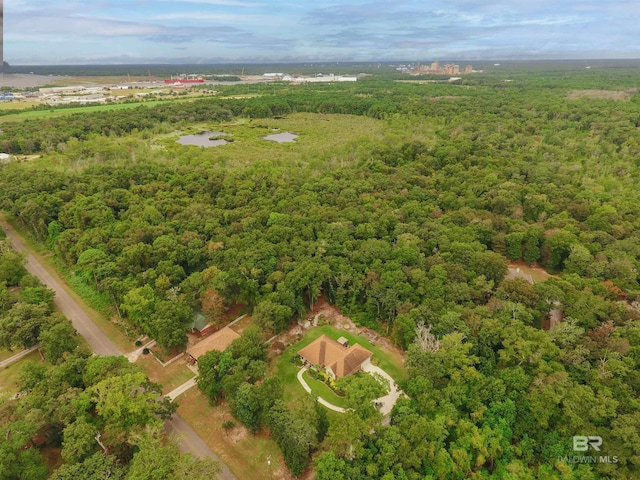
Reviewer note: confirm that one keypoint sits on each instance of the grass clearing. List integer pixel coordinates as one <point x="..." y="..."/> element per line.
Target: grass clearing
<point x="169" y="377"/>
<point x="4" y="354"/>
<point x="9" y="376"/>
<point x="245" y="454"/>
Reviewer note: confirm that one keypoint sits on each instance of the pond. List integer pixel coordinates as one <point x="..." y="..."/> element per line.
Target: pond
<point x="284" y="137"/>
<point x="204" y="139"/>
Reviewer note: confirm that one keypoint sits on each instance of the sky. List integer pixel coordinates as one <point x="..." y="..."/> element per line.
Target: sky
<point x="271" y="31"/>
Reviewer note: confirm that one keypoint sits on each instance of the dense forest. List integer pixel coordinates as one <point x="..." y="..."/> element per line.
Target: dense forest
<point x="409" y="230"/>
<point x="102" y="412"/>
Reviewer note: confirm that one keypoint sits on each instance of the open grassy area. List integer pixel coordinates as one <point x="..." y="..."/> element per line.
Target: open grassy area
<point x="4" y="354"/>
<point x="18" y="105"/>
<point x="9" y="376"/>
<point x="324" y="140"/>
<point x="245" y="454"/>
<point x="169" y="377"/>
<point x="286" y="370"/>
<point x="61" y="112"/>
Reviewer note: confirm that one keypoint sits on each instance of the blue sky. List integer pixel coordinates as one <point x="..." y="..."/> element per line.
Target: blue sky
<point x="206" y="31"/>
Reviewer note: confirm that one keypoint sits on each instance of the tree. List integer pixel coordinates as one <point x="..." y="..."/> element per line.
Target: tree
<point x="361" y="389"/>
<point x="579" y="260"/>
<point x="97" y="467"/>
<point x="91" y="261"/>
<point x="246" y="407"/>
<point x="128" y="400"/>
<point x="426" y="340"/>
<point x="295" y="437"/>
<point x="213" y="306"/>
<point x="21" y="325"/>
<point x="58" y="339"/>
<point x="18" y="459"/>
<point x="157" y="459"/>
<point x="272" y="316"/>
<point x="11" y="265"/>
<point x="79" y="441"/>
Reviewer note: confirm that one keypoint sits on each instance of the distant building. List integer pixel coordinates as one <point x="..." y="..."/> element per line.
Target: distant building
<point x="436" y="69"/>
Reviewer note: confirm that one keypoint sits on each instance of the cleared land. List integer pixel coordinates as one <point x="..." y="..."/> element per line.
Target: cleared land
<point x="245" y="454"/>
<point x="170" y="376"/>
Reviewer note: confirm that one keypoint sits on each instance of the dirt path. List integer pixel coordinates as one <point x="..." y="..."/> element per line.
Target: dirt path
<point x="102" y="345"/>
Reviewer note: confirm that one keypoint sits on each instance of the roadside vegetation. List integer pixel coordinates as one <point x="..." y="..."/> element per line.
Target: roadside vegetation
<point x="403" y="204"/>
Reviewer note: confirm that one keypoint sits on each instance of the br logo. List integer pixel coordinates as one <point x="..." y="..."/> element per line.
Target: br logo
<point x="582" y="443"/>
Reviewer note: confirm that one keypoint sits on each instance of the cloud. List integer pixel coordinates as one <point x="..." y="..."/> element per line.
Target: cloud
<point x="319" y="29"/>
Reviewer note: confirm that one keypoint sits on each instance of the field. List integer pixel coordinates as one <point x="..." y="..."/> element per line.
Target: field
<point x="61" y="112"/>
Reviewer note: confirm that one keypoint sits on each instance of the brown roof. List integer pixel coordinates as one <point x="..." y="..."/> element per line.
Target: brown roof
<point x="218" y="341"/>
<point x="327" y="352"/>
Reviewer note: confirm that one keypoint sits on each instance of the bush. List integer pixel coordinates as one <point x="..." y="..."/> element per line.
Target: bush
<point x="145" y="351"/>
<point x="228" y="424"/>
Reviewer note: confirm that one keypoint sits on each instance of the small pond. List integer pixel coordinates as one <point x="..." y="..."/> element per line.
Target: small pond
<point x="204" y="139"/>
<point x="284" y="137"/>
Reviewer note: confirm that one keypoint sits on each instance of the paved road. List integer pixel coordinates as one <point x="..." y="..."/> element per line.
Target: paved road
<point x="98" y="341"/>
<point x="102" y="345"/>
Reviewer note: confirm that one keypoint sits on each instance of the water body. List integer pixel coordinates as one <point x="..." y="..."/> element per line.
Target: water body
<point x="285" y="137"/>
<point x="203" y="139"/>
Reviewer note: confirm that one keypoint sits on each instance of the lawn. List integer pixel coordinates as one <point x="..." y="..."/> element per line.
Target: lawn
<point x="245" y="454"/>
<point x="323" y="390"/>
<point x="9" y="376"/>
<point x="169" y="377"/>
<point x="286" y="370"/>
<point x="4" y="354"/>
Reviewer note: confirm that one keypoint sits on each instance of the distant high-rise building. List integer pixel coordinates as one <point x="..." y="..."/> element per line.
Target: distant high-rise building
<point x="468" y="69"/>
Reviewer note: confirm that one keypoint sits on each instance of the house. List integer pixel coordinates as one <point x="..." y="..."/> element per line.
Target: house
<point x="218" y="341"/>
<point x="338" y="360"/>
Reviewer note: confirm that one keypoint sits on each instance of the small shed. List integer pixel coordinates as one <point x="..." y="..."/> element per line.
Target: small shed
<point x="344" y="342"/>
<point x="199" y="322"/>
